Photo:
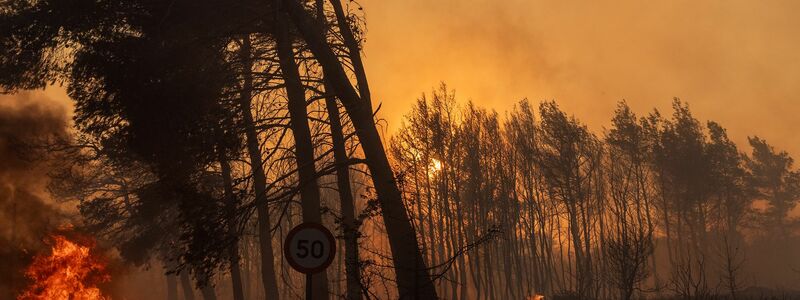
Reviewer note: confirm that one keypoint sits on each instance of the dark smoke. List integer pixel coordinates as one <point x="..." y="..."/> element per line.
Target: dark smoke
<point x="27" y="214"/>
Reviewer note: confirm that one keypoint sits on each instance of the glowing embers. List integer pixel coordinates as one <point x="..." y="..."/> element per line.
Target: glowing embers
<point x="69" y="272"/>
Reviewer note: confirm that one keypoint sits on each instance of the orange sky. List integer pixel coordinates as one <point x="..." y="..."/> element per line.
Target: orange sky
<point x="736" y="62"/>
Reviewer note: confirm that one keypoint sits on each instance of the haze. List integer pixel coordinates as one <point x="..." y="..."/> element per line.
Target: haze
<point x="206" y="132"/>
<point x="735" y="62"/>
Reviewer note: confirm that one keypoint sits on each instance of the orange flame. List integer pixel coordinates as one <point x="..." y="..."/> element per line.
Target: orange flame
<point x="70" y="272"/>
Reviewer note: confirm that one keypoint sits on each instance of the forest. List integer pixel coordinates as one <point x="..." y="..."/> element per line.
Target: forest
<point x="204" y="131"/>
<point x="656" y="206"/>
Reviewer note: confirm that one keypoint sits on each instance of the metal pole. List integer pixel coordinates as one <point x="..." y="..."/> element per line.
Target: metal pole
<point x="308" y="286"/>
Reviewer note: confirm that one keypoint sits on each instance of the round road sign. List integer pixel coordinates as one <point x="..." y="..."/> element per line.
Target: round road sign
<point x="309" y="248"/>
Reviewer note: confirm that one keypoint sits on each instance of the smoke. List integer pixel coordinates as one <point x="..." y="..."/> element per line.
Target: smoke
<point x="27" y="213"/>
<point x="735" y="62"/>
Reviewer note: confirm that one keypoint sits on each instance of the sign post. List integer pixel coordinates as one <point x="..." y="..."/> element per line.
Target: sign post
<point x="309" y="248"/>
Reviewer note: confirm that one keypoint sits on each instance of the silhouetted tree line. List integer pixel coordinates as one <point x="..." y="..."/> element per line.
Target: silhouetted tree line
<point x="657" y="206"/>
<point x="204" y="131"/>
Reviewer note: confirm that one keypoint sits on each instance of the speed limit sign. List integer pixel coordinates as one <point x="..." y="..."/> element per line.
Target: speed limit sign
<point x="309" y="248"/>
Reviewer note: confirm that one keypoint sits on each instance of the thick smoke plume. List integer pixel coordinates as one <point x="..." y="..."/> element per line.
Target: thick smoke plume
<point x="27" y="213"/>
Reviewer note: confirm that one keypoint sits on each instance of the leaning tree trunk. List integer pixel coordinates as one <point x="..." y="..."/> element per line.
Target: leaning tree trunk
<point x="259" y="179"/>
<point x="304" y="147"/>
<point x="347" y="205"/>
<point x="413" y="280"/>
<point x="354" y="50"/>
<point x="349" y="225"/>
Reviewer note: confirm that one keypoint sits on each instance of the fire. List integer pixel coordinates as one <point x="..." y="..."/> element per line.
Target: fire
<point x="70" y="272"/>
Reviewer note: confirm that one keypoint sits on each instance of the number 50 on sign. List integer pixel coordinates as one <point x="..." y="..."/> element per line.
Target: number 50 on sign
<point x="309" y="248"/>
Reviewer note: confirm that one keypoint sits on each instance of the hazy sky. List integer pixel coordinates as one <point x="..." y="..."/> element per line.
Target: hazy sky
<point x="735" y="62"/>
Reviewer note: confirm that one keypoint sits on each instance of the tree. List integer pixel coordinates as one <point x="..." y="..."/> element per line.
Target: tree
<point x="412" y="274"/>
<point x="630" y="243"/>
<point x="259" y="178"/>
<point x="772" y="177"/>
<point x="682" y="166"/>
<point x="304" y="147"/>
<point x="522" y="135"/>
<point x="568" y="157"/>
<point x="138" y="113"/>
